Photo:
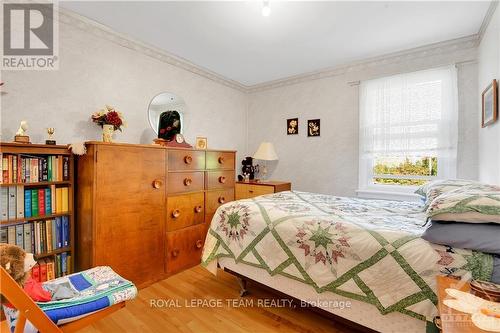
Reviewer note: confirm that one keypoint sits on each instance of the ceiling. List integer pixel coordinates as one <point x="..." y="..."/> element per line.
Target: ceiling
<point x="234" y="40"/>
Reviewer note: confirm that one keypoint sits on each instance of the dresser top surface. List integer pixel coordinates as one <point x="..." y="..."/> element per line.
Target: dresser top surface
<point x="153" y="146"/>
<point x="263" y="182"/>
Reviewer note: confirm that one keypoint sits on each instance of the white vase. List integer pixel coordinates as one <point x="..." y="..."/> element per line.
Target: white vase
<point x="107" y="133"/>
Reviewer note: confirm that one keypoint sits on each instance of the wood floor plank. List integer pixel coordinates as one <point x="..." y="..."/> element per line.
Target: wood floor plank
<point x="198" y="284"/>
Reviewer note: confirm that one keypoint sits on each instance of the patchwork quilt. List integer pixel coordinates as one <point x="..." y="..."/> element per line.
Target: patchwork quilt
<point x="92" y="290"/>
<point x="367" y="250"/>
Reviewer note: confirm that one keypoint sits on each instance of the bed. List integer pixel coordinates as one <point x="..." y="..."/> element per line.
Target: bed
<point x="325" y="250"/>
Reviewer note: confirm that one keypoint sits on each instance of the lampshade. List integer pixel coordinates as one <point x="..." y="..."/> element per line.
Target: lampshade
<point x="266" y="152"/>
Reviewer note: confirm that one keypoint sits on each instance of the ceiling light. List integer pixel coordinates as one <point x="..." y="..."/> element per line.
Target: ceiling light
<point x="266" y="10"/>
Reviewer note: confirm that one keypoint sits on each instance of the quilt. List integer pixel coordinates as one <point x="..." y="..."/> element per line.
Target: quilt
<point x="367" y="250"/>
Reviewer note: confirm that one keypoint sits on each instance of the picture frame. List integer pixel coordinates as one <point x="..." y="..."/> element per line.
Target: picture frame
<point x="314" y="127"/>
<point x="489" y="103"/>
<point x="292" y="126"/>
<point x="201" y="142"/>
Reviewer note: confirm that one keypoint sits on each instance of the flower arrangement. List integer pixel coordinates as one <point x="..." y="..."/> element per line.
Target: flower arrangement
<point x="109" y="116"/>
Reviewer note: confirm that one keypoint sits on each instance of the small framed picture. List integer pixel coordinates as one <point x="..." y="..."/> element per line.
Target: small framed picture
<point x="201" y="142"/>
<point x="313" y="127"/>
<point x="292" y="126"/>
<point x="490" y="104"/>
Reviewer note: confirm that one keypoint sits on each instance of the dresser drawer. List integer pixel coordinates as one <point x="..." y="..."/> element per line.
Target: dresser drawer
<point x="179" y="182"/>
<point x="186" y="160"/>
<point x="220" y="179"/>
<point x="247" y="191"/>
<point x="184" y="248"/>
<point x="214" y="199"/>
<point x="185" y="210"/>
<point x="220" y="160"/>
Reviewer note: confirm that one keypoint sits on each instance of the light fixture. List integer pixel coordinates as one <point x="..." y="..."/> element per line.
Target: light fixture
<point x="265" y="152"/>
<point x="266" y="10"/>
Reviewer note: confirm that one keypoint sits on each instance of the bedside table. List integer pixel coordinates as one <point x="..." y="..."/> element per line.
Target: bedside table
<point x="453" y="321"/>
<point x="247" y="190"/>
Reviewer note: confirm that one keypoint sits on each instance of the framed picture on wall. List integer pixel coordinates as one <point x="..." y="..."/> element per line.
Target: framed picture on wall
<point x="313" y="127"/>
<point x="292" y="126"/>
<point x="490" y="104"/>
<point x="201" y="142"/>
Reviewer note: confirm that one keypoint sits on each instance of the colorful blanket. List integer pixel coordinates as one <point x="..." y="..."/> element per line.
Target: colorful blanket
<point x="94" y="290"/>
<point x="367" y="250"/>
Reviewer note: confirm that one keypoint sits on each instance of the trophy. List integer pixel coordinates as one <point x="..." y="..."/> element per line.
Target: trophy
<point x="50" y="140"/>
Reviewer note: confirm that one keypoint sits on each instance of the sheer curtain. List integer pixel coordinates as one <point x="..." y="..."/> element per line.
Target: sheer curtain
<point x="409" y="115"/>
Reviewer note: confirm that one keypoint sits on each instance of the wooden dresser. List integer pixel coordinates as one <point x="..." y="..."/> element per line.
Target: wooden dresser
<point x="250" y="189"/>
<point x="144" y="209"/>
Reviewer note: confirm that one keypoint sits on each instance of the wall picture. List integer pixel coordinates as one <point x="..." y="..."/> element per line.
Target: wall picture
<point x="490" y="104"/>
<point x="292" y="126"/>
<point x="313" y="127"/>
<point x="201" y="142"/>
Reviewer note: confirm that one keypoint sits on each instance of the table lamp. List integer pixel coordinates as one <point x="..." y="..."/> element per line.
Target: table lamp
<point x="265" y="152"/>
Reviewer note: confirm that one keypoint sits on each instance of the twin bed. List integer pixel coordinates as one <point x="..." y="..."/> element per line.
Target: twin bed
<point x="363" y="260"/>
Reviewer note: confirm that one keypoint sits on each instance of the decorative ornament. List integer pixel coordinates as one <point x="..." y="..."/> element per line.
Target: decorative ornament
<point x="50" y="140"/>
<point x="21" y="136"/>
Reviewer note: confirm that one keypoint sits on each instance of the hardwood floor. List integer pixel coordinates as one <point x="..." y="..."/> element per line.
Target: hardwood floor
<point x="174" y="311"/>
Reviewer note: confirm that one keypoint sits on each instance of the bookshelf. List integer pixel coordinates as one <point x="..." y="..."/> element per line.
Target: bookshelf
<point x="45" y="174"/>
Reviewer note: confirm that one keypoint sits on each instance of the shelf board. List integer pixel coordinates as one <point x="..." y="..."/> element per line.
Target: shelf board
<point x="48" y="254"/>
<point x="63" y="182"/>
<point x="34" y="218"/>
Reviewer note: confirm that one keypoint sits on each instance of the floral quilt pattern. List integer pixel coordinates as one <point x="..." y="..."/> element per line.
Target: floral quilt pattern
<point x="353" y="247"/>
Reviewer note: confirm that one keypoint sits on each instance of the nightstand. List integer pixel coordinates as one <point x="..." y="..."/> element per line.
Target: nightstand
<point x="453" y="321"/>
<point x="250" y="189"/>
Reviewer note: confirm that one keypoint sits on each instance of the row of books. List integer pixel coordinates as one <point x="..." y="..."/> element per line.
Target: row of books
<point x="18" y="202"/>
<point x="38" y="237"/>
<point x="33" y="169"/>
<point x="51" y="268"/>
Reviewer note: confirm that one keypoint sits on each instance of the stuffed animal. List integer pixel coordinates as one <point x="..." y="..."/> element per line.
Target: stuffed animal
<point x="247" y="169"/>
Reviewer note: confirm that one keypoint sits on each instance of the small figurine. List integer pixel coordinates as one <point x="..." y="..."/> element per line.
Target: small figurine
<point x="50" y="140"/>
<point x="247" y="169"/>
<point x="21" y="136"/>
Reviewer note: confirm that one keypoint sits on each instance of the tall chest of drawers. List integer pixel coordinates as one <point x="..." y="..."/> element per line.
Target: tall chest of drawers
<point x="144" y="209"/>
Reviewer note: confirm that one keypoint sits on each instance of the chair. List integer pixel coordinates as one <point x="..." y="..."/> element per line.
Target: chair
<point x="28" y="310"/>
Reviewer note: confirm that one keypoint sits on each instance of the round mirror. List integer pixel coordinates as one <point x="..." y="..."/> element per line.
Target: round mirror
<point x="162" y="103"/>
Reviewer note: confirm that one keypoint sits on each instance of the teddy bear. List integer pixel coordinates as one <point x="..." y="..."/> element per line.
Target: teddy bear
<point x="247" y="169"/>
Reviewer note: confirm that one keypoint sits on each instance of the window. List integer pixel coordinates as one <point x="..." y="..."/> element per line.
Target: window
<point x="408" y="129"/>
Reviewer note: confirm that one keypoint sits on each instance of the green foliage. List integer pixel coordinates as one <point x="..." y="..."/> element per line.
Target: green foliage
<point x="426" y="166"/>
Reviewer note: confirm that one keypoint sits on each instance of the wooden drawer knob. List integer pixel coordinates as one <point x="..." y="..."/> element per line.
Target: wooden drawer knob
<point x="157" y="183"/>
<point x="176" y="213"/>
<point x="175" y="253"/>
<point x="222" y="179"/>
<point x="198" y="209"/>
<point x="221" y="160"/>
<point x="250" y="191"/>
<point x="188" y="159"/>
<point x="187" y="181"/>
<point x="222" y="200"/>
<point x="199" y="244"/>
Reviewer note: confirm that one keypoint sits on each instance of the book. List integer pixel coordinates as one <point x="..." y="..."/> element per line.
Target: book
<point x="14" y="168"/>
<point x="12" y="210"/>
<point x="49" y="168"/>
<point x="48" y="231"/>
<point x="59" y="168"/>
<point x="35" y="272"/>
<point x="34" y="203"/>
<point x="27" y="237"/>
<point x="53" y="198"/>
<point x="59" y="200"/>
<point x="4" y="203"/>
<point x="48" y="201"/>
<point x="27" y="203"/>
<point x="43" y="240"/>
<point x="45" y="171"/>
<point x="36" y="228"/>
<point x="4" y="235"/>
<point x="65" y="200"/>
<point x="34" y="174"/>
<point x="58" y="232"/>
<point x="64" y="267"/>
<point x="11" y="234"/>
<point x="68" y="264"/>
<point x="20" y="202"/>
<point x="41" y="202"/>
<point x="19" y="235"/>
<point x="65" y="231"/>
<point x="65" y="167"/>
<point x="58" y="266"/>
<point x="50" y="270"/>
<point x="54" y="234"/>
<point x="5" y="169"/>
<point x="43" y="270"/>
<point x="9" y="175"/>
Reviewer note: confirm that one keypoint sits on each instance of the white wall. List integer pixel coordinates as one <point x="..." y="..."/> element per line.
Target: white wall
<point x="489" y="69"/>
<point x="329" y="164"/>
<point x="94" y="71"/>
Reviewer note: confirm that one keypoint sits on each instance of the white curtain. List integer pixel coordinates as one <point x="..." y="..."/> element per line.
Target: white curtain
<point x="410" y="115"/>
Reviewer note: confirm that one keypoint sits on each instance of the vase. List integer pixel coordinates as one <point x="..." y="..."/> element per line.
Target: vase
<point x="107" y="133"/>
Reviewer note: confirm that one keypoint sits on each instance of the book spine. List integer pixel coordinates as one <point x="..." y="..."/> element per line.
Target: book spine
<point x="19" y="235"/>
<point x="65" y="223"/>
<point x="27" y="170"/>
<point x="23" y="170"/>
<point x="58" y="232"/>
<point x="9" y="179"/>
<point x="37" y="237"/>
<point x="45" y="171"/>
<point x="12" y="209"/>
<point x="48" y="229"/>
<point x="64" y="267"/>
<point x="27" y="203"/>
<point x="41" y="202"/>
<point x="48" y="201"/>
<point x="59" y="200"/>
<point x="43" y="271"/>
<point x="50" y="270"/>
<point x="27" y="237"/>
<point x="54" y="234"/>
<point x="5" y="169"/>
<point x="43" y="240"/>
<point x="65" y="168"/>
<point x="53" y="198"/>
<point x="35" y="272"/>
<point x="20" y="201"/>
<point x="14" y="168"/>
<point x="4" y="237"/>
<point x="34" y="203"/>
<point x="35" y="175"/>
<point x="11" y="234"/>
<point x="4" y="207"/>
<point x="65" y="199"/>
<point x="40" y="170"/>
<point x="49" y="168"/>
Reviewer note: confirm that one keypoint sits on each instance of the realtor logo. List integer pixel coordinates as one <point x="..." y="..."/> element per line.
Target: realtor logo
<point x="29" y="36"/>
